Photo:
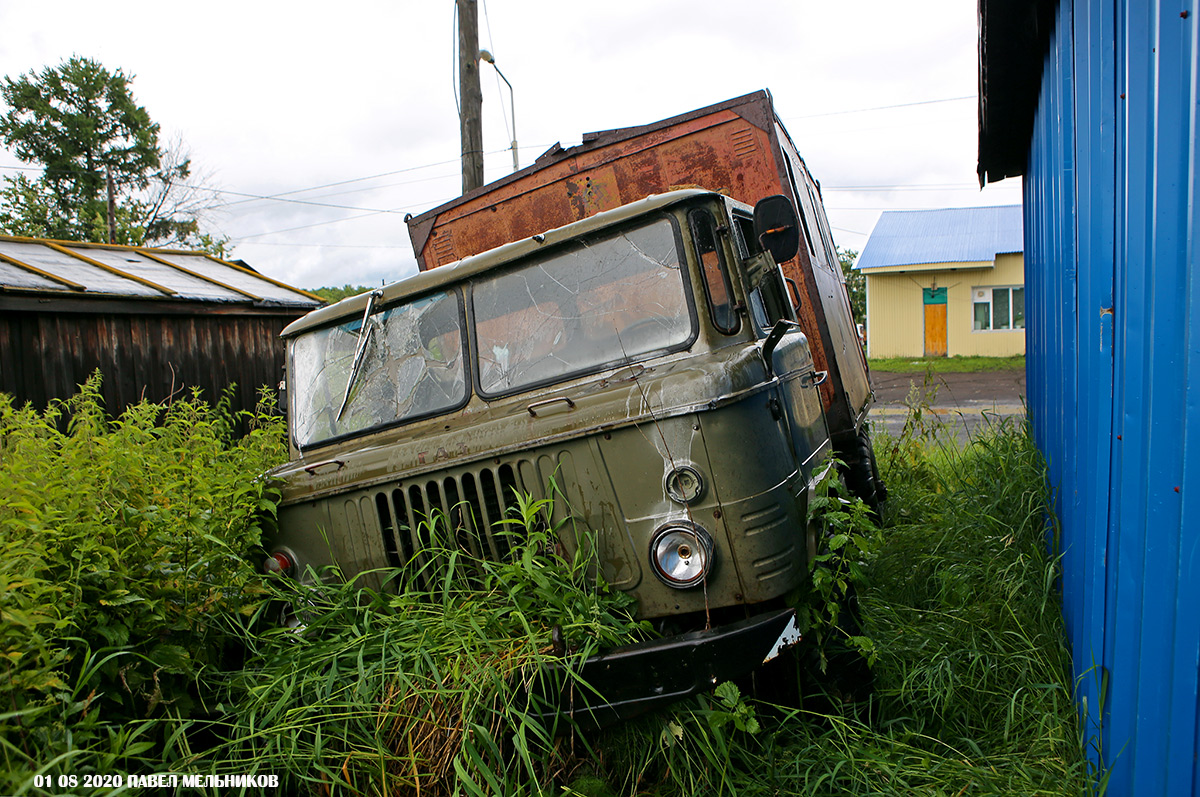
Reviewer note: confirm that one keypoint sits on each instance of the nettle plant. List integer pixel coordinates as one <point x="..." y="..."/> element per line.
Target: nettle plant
<point x="126" y="547"/>
<point x="848" y="539"/>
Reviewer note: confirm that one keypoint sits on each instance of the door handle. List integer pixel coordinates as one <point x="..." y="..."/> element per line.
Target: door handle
<point x="814" y="378"/>
<point x="537" y="405"/>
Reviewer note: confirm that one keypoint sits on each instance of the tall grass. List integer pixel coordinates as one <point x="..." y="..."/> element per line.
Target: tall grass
<point x="137" y="638"/>
<point x="432" y="691"/>
<point x="970" y="684"/>
<point x="124" y="567"/>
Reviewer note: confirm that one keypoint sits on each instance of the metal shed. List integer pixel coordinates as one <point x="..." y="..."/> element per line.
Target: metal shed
<point x="1094" y="102"/>
<point x="154" y="321"/>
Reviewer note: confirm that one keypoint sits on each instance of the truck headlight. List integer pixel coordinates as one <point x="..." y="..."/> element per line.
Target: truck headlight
<point x="682" y="554"/>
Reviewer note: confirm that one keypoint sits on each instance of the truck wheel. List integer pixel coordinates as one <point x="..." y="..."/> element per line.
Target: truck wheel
<point x="862" y="474"/>
<point x="881" y="492"/>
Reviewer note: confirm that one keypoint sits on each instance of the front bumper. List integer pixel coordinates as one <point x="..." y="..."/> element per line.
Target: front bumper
<point x="631" y="680"/>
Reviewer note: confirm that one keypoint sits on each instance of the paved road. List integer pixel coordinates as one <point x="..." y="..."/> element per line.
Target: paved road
<point x="963" y="402"/>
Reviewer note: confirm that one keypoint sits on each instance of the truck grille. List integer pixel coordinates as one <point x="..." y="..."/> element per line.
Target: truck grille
<point x="458" y="511"/>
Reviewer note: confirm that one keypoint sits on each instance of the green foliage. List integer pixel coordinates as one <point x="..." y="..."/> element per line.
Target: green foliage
<point x="971" y="675"/>
<point x="124" y="549"/>
<point x="136" y="637"/>
<point x="856" y="283"/>
<point x="709" y="744"/>
<point x="946" y="365"/>
<point x="732" y="709"/>
<point x="424" y="690"/>
<point x="847" y="542"/>
<point x="332" y="295"/>
<point x="81" y="124"/>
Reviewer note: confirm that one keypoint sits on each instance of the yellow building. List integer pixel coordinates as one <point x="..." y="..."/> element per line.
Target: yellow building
<point x="946" y="283"/>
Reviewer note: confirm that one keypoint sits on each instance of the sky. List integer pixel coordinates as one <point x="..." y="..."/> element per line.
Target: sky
<point x="320" y="125"/>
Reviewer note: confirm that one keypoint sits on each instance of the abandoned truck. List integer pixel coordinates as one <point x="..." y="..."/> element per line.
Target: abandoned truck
<point x="738" y="148"/>
<point x="647" y="360"/>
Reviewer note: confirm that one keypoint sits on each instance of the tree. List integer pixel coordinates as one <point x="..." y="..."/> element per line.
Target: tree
<point x="81" y="124"/>
<point x="856" y="284"/>
<point x="333" y="294"/>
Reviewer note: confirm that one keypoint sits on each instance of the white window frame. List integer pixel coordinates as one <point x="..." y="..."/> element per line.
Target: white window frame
<point x="986" y="295"/>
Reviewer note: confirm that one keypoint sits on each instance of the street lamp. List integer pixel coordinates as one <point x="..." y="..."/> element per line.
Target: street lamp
<point x="484" y="55"/>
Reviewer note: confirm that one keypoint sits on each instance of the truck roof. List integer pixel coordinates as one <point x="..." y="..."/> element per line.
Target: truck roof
<point x="724" y="147"/>
<point x="426" y="281"/>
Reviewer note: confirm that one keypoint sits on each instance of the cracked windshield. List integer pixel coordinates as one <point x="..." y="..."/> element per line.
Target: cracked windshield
<point x="410" y="364"/>
<point x="594" y="305"/>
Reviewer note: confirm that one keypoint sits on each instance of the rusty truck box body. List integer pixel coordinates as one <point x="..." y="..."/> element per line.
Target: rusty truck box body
<point x="738" y="148"/>
<point x="642" y="368"/>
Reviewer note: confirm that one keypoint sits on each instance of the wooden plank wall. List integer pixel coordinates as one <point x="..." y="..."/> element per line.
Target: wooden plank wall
<point x="46" y="355"/>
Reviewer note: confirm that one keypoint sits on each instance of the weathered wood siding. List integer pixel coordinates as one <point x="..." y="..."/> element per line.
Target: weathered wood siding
<point x="46" y="354"/>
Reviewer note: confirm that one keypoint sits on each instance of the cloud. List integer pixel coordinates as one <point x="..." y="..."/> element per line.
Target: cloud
<point x="274" y="99"/>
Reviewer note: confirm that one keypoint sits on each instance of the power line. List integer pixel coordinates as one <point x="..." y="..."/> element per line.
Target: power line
<point x="487" y="22"/>
<point x="903" y="187"/>
<point x="881" y="107"/>
<point x="294" y="201"/>
<point x="435" y="202"/>
<point x="347" y="182"/>
<point x="329" y="246"/>
<point x="240" y="238"/>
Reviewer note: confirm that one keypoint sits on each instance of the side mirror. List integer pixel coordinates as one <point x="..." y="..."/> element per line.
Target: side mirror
<point x="777" y="227"/>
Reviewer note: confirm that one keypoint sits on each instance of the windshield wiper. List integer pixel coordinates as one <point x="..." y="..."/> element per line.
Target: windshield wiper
<point x="364" y="335"/>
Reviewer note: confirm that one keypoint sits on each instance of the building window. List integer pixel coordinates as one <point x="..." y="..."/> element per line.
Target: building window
<point x="999" y="308"/>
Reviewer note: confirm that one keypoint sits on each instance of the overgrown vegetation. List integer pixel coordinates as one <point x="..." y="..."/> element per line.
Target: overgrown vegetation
<point x="946" y="365"/>
<point x="426" y="690"/>
<point x="972" y="691"/>
<point x="137" y="639"/>
<point x="124" y="573"/>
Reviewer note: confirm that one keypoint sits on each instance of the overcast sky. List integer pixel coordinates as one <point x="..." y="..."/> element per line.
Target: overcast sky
<point x="345" y="113"/>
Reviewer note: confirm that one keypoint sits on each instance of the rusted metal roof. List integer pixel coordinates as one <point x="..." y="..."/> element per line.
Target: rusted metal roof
<point x="83" y="270"/>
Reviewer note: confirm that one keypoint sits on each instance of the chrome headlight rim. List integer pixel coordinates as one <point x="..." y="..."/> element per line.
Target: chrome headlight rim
<point x="682" y="554"/>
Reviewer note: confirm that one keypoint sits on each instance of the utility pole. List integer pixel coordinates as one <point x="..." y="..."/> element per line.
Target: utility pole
<point x="112" y="205"/>
<point x="471" y="114"/>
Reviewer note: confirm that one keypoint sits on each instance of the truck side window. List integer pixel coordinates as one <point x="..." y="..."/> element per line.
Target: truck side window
<point x="748" y="246"/>
<point x="823" y="224"/>
<point x="801" y="209"/>
<point x="717" y="286"/>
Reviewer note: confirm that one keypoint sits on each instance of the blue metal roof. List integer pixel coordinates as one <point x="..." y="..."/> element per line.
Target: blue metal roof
<point x="952" y="235"/>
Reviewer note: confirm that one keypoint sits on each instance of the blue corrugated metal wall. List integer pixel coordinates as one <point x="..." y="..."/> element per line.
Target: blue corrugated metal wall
<point x="1114" y="372"/>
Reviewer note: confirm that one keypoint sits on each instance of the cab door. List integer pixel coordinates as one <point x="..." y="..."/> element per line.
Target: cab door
<point x="772" y="306"/>
<point x="796" y="396"/>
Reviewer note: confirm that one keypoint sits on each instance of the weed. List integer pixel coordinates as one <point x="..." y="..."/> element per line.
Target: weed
<point x="848" y="541"/>
<point x="132" y="637"/>
<point x="123" y="566"/>
<point x="430" y="690"/>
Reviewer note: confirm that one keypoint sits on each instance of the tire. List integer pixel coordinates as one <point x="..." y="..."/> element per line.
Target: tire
<point x="862" y="473"/>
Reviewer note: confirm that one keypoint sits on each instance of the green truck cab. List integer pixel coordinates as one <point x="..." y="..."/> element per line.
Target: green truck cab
<point x="644" y="361"/>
